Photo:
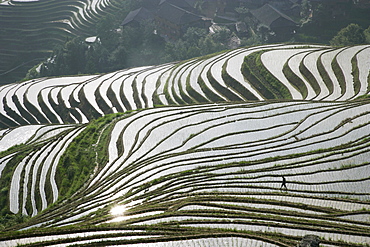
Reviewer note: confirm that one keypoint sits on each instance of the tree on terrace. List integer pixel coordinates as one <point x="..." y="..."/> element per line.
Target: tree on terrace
<point x="367" y="35"/>
<point x="353" y="34"/>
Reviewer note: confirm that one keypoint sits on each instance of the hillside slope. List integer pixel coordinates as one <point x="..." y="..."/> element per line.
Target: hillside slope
<point x="31" y="29"/>
<point x="205" y="169"/>
<point x="298" y="72"/>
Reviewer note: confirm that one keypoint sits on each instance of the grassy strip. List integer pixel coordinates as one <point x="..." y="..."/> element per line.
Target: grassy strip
<point x="61" y="109"/>
<point x="24" y="113"/>
<point x="188" y="237"/>
<point x="309" y="76"/>
<point x="136" y="94"/>
<point x="78" y="161"/>
<point x="166" y="232"/>
<point x="210" y="94"/>
<point x="324" y="75"/>
<point x="45" y="109"/>
<point x="101" y="102"/>
<point x="85" y="106"/>
<point x="6" y="122"/>
<point x="166" y="90"/>
<point x="175" y="96"/>
<point x="252" y="77"/>
<point x="167" y="96"/>
<point x="112" y="97"/>
<point x="124" y="99"/>
<point x="74" y="105"/>
<point x="33" y="110"/>
<point x="29" y="189"/>
<point x="280" y="88"/>
<point x="339" y="74"/>
<point x="261" y="79"/>
<point x="285" y="218"/>
<point x="170" y="233"/>
<point x="192" y="92"/>
<point x="38" y="176"/>
<point x="143" y="96"/>
<point x="156" y="100"/>
<point x="205" y="200"/>
<point x="327" y="213"/>
<point x="236" y="85"/>
<point x="295" y="80"/>
<point x="356" y="74"/>
<point x="7" y="175"/>
<point x="119" y="144"/>
<point x="222" y="90"/>
<point x="13" y="114"/>
<point x="184" y="97"/>
<point x="166" y="93"/>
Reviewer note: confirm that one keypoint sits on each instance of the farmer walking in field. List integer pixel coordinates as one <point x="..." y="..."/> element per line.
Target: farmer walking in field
<point x="283" y="184"/>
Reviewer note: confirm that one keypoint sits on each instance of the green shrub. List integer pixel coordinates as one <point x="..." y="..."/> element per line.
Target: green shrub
<point x="353" y="34"/>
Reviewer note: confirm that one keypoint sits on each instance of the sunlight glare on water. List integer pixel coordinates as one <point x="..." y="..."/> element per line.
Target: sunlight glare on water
<point x="118" y="210"/>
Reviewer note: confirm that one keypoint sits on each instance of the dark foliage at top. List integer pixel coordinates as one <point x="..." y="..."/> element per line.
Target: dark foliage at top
<point x="141" y="33"/>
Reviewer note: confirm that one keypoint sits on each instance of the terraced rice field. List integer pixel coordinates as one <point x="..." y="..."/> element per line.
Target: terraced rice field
<point x="31" y="29"/>
<point x="205" y="168"/>
<point x="297" y="72"/>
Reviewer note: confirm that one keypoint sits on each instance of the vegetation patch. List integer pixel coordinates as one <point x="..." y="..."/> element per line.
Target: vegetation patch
<point x="324" y="75"/>
<point x="356" y="75"/>
<point x="255" y="72"/>
<point x="295" y="80"/>
<point x="83" y="156"/>
<point x="236" y="85"/>
<point x="339" y="74"/>
<point x="309" y="77"/>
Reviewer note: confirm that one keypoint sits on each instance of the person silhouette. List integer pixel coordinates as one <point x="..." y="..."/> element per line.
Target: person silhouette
<point x="283" y="184"/>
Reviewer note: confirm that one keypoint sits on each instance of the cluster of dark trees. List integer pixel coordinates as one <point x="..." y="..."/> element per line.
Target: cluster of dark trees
<point x="129" y="47"/>
<point x="322" y="20"/>
<point x="353" y="34"/>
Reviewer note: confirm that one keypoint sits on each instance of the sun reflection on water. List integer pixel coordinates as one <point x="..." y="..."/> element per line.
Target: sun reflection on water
<point x="118" y="210"/>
